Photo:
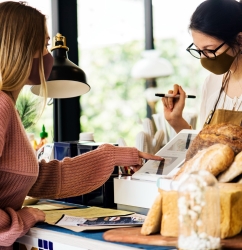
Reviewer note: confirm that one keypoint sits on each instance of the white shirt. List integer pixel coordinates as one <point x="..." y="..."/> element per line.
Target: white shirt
<point x="210" y="93"/>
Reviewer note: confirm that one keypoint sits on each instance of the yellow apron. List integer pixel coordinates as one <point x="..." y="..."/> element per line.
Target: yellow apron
<point x="217" y="116"/>
<point x="224" y="116"/>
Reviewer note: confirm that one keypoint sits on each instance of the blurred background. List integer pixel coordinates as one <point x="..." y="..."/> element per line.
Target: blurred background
<point x="111" y="39"/>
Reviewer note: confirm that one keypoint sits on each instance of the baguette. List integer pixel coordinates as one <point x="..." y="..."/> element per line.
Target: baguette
<point x="152" y="222"/>
<point x="233" y="171"/>
<point x="215" y="159"/>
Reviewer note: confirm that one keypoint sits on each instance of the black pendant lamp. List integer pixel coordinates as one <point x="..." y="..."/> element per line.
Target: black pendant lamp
<point x="66" y="79"/>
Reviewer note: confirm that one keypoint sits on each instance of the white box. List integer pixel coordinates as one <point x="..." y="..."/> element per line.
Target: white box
<point x="134" y="195"/>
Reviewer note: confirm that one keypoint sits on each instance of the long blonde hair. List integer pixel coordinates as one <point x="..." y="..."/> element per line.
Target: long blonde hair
<point x="22" y="34"/>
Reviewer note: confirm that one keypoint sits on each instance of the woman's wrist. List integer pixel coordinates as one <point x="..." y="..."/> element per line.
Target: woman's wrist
<point x="180" y="124"/>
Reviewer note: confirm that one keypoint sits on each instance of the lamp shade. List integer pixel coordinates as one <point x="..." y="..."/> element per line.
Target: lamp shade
<point x="66" y="78"/>
<point x="151" y="66"/>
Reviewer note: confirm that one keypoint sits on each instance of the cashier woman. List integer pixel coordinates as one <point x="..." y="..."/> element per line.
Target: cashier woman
<point x="24" y="59"/>
<point x="216" y="30"/>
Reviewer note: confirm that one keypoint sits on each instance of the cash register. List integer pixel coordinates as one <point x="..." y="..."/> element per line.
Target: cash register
<point x="102" y="196"/>
<point x="137" y="192"/>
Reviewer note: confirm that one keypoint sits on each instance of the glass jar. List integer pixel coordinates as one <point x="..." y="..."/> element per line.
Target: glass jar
<point x="199" y="212"/>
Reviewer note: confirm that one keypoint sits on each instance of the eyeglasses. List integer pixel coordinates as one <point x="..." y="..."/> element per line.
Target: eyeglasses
<point x="209" y="53"/>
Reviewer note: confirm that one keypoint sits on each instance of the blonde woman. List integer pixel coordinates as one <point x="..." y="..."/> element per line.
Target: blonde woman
<point x="24" y="59"/>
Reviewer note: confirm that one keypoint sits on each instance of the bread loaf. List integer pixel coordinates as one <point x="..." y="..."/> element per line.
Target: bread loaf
<point x="215" y="159"/>
<point x="152" y="222"/>
<point x="233" y="171"/>
<point x="224" y="133"/>
<point x="169" y="222"/>
<point x="230" y="211"/>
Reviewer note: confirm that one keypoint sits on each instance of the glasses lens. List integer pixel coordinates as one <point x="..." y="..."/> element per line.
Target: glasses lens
<point x="209" y="54"/>
<point x="195" y="53"/>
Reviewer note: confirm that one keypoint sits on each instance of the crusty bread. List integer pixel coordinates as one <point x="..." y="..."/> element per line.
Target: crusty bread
<point x="233" y="171"/>
<point x="169" y="222"/>
<point x="152" y="222"/>
<point x="214" y="159"/>
<point x="230" y="211"/>
<point x="223" y="133"/>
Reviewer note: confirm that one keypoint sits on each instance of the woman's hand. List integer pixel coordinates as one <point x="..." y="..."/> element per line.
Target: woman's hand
<point x="145" y="156"/>
<point x="173" y="108"/>
<point x="38" y="214"/>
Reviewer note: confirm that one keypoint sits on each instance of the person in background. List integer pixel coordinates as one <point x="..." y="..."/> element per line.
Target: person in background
<point x="24" y="59"/>
<point x="216" y="29"/>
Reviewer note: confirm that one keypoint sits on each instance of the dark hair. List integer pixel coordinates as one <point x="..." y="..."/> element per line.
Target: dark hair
<point x="221" y="19"/>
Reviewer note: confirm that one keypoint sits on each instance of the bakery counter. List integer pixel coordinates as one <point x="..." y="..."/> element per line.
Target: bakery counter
<point x="47" y="237"/>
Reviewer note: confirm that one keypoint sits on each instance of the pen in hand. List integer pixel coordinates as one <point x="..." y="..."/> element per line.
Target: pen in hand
<point x="172" y="96"/>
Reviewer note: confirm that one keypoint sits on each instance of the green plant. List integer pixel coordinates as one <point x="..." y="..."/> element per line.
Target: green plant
<point x="27" y="108"/>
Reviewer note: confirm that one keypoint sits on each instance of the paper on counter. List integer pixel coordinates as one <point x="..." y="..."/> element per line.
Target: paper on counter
<point x="45" y="206"/>
<point x="85" y="228"/>
<point x="134" y="219"/>
<point x="79" y="224"/>
<point x="53" y="216"/>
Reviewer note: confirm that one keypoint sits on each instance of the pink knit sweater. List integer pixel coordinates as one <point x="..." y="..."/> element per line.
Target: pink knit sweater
<point x="21" y="174"/>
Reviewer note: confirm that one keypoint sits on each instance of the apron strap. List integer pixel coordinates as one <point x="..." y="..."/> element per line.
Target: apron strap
<point x="224" y="84"/>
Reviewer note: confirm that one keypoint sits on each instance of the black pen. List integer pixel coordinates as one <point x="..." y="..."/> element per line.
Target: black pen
<point x="172" y="96"/>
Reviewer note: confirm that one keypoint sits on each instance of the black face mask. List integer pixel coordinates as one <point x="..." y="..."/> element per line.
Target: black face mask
<point x="220" y="64"/>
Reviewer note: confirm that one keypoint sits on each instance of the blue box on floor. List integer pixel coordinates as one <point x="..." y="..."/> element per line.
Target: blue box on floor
<point x="102" y="196"/>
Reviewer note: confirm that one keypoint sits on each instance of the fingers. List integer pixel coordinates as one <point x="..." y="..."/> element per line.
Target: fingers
<point x="168" y="102"/>
<point x="150" y="156"/>
<point x="182" y="93"/>
<point x="135" y="168"/>
<point x="176" y="89"/>
<point x="181" y="99"/>
<point x="38" y="214"/>
<point x="142" y="157"/>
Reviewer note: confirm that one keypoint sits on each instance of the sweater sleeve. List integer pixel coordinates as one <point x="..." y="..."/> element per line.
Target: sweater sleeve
<point x="81" y="174"/>
<point x="14" y="224"/>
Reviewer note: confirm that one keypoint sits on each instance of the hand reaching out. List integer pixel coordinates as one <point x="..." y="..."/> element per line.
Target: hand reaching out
<point x="141" y="148"/>
<point x="145" y="156"/>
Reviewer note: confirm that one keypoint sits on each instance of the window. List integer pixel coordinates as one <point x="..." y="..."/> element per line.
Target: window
<point x="111" y="39"/>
